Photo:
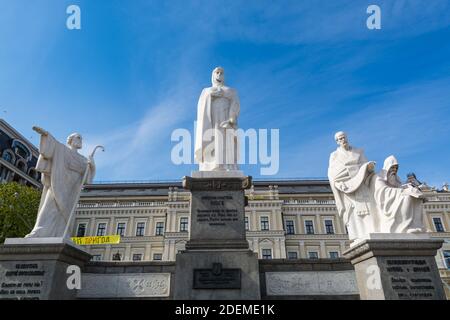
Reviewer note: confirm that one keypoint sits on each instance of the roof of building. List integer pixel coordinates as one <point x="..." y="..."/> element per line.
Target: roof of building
<point x="161" y="188"/>
<point x="17" y="135"/>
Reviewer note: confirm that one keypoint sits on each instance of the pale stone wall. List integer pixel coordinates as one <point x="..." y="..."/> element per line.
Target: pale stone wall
<point x="267" y="203"/>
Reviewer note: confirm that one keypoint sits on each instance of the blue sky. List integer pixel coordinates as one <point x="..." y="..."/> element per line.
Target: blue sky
<point x="134" y="72"/>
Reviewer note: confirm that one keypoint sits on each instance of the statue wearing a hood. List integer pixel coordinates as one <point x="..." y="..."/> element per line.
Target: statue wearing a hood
<point x="350" y="174"/>
<point x="217" y="113"/>
<point x="399" y="206"/>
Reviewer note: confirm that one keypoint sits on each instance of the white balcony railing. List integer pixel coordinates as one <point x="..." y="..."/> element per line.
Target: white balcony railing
<point x="123" y="204"/>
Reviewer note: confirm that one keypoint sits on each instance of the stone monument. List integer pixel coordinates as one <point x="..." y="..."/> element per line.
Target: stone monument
<point x="216" y="145"/>
<point x="392" y="255"/>
<point x="217" y="262"/>
<point x="36" y="267"/>
<point x="350" y="174"/>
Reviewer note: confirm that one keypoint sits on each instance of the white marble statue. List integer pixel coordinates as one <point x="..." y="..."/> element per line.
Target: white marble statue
<point x="63" y="171"/>
<point x="215" y="141"/>
<point x="350" y="174"/>
<point x="399" y="205"/>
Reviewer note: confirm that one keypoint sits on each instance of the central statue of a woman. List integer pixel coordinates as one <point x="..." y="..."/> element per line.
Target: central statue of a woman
<point x="216" y="146"/>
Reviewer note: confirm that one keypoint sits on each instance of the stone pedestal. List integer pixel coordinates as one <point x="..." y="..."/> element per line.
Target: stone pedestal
<point x="30" y="269"/>
<point x="397" y="269"/>
<point x="217" y="213"/>
<point x="217" y="263"/>
<point x="217" y="275"/>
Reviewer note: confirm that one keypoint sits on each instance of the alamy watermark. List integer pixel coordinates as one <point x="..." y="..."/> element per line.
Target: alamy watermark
<point x="74" y="278"/>
<point x="251" y="146"/>
<point x="73" y="21"/>
<point x="374" y="20"/>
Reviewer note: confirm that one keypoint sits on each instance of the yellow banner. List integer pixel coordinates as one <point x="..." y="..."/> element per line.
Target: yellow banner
<point x="89" y="241"/>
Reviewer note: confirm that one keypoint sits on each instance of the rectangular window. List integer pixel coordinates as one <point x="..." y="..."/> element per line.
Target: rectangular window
<point x="309" y="227"/>
<point x="292" y="255"/>
<point x="96" y="257"/>
<point x="447" y="258"/>
<point x="438" y="225"/>
<point x="334" y="254"/>
<point x="313" y="255"/>
<point x="329" y="229"/>
<point x="264" y="223"/>
<point x="140" y="229"/>
<point x="267" y="253"/>
<point x="247" y="226"/>
<point x="290" y="227"/>
<point x="117" y="256"/>
<point x="157" y="256"/>
<point x="137" y="257"/>
<point x="121" y="229"/>
<point x="101" y="229"/>
<point x="81" y="231"/>
<point x="159" y="228"/>
<point x="184" y="224"/>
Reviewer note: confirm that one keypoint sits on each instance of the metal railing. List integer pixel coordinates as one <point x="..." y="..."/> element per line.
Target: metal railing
<point x="122" y="204"/>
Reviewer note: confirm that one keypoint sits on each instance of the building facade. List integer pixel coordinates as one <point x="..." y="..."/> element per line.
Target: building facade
<point x="18" y="158"/>
<point x="294" y="219"/>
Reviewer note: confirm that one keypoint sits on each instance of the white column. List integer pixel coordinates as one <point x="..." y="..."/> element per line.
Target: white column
<point x="131" y="228"/>
<point x="298" y="224"/>
<point x="111" y="227"/>
<point x="273" y="220"/>
<point x="169" y="220"/>
<point x="256" y="246"/>
<point x="323" y="251"/>
<point x="148" y="250"/>
<point x="92" y="227"/>
<point x="166" y="250"/>
<point x="282" y="249"/>
<point x="276" y="249"/>
<point x="127" y="255"/>
<point x="343" y="248"/>
<point x="254" y="224"/>
<point x="174" y="222"/>
<point x="150" y="227"/>
<point x="173" y="250"/>
<point x="107" y="255"/>
<point x="302" y="253"/>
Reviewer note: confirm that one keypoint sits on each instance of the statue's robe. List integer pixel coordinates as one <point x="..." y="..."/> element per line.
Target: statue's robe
<point x="62" y="171"/>
<point x="350" y="182"/>
<point x="216" y="147"/>
<point x="399" y="207"/>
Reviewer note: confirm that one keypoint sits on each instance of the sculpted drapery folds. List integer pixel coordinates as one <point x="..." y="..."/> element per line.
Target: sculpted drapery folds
<point x="62" y="169"/>
<point x="399" y="206"/>
<point x="370" y="203"/>
<point x="217" y="112"/>
<point x="350" y="174"/>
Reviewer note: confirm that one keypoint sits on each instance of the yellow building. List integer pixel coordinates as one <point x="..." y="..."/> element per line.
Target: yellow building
<point x="285" y="219"/>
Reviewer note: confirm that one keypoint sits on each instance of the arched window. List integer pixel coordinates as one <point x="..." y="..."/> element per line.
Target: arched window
<point x="33" y="173"/>
<point x="21" y="165"/>
<point x="8" y="156"/>
<point x="21" y="150"/>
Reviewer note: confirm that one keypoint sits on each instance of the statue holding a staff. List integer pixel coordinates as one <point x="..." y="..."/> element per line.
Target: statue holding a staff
<point x="63" y="173"/>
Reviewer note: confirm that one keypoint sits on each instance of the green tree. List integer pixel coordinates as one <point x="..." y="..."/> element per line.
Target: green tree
<point x="18" y="210"/>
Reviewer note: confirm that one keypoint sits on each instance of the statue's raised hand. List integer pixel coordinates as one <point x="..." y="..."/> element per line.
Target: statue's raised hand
<point x="371" y="166"/>
<point x="40" y="131"/>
